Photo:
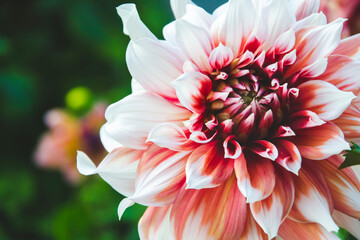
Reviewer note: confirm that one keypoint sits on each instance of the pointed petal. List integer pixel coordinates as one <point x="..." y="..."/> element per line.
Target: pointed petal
<point x="155" y="64"/>
<point x="312" y="190"/>
<point x="343" y="184"/>
<point x="155" y="224"/>
<point x="171" y="136"/>
<point x="131" y="119"/>
<point x="133" y="26"/>
<point x="323" y="98"/>
<point x="124" y="204"/>
<point x="272" y="211"/>
<point x="179" y="7"/>
<point x="160" y="175"/>
<point x="220" y="57"/>
<point x="197" y="16"/>
<point x="252" y="230"/>
<point x="289" y="156"/>
<point x="349" y="47"/>
<point x="305" y="8"/>
<point x="234" y="26"/>
<point x="291" y="230"/>
<point x="320" y="142"/>
<point x="195" y="42"/>
<point x="304" y="119"/>
<point x="192" y="89"/>
<point x="264" y="149"/>
<point x="207" y="168"/>
<point x="343" y="72"/>
<point x="255" y="176"/>
<point x="118" y="168"/>
<point x="352" y="225"/>
<point x="216" y="213"/>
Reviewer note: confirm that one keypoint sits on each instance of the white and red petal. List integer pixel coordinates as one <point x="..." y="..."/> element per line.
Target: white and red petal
<point x="349" y="123"/>
<point x="255" y="176"/>
<point x="207" y="167"/>
<point x="304" y="119"/>
<point x="130" y="120"/>
<point x="264" y="149"/>
<point x="291" y="230"/>
<point x="196" y="42"/>
<point x="118" y="168"/>
<point x="320" y="142"/>
<point x="220" y="57"/>
<point x="234" y="25"/>
<point x="323" y="98"/>
<point x="352" y="225"/>
<point x="305" y="8"/>
<point x="313" y="202"/>
<point x="155" y="64"/>
<point x="272" y="211"/>
<point x="349" y="47"/>
<point x="343" y="184"/>
<point x="160" y="176"/>
<point x="216" y="213"/>
<point x="289" y="156"/>
<point x="232" y="148"/>
<point x="192" y="89"/>
<point x="155" y="224"/>
<point x="133" y="26"/>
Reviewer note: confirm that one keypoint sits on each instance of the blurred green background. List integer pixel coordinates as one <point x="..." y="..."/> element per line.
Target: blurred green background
<point x="48" y="47"/>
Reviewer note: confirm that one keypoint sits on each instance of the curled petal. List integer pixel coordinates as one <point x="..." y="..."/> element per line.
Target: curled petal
<point x="272" y="211"/>
<point x="255" y="176"/>
<point x="192" y="89"/>
<point x="312" y="190"/>
<point x="320" y="142"/>
<point x="216" y="213"/>
<point x="124" y="204"/>
<point x="264" y="149"/>
<point x="207" y="168"/>
<point x="323" y="98"/>
<point x="131" y="119"/>
<point x="289" y="156"/>
<point x="232" y="148"/>
<point x="118" y="168"/>
<point x="220" y="57"/>
<point x="304" y="119"/>
<point x="160" y="175"/>
<point x="133" y="26"/>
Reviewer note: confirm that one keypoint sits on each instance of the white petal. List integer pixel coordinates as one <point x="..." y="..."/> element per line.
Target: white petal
<point x="316" y="19"/>
<point x="136" y="86"/>
<point x="304" y="8"/>
<point x="84" y="164"/>
<point x="197" y="16"/>
<point x="155" y="64"/>
<point x="196" y="43"/>
<point x="179" y="7"/>
<point x="124" y="204"/>
<point x="108" y="141"/>
<point x="131" y="119"/>
<point x="352" y="225"/>
<point x="133" y="26"/>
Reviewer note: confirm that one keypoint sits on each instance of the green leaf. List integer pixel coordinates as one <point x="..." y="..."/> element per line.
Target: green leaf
<point x="352" y="157"/>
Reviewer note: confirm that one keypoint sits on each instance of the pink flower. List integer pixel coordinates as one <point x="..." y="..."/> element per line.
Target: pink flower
<point x="236" y="124"/>
<point x="57" y="148"/>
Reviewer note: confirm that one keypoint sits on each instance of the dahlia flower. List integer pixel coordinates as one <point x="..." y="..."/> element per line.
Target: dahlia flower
<point x="67" y="133"/>
<point x="236" y="124"/>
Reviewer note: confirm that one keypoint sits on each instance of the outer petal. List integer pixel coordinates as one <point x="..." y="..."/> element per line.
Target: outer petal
<point x="197" y="16"/>
<point x="155" y="65"/>
<point x="108" y="141"/>
<point x="344" y="186"/>
<point x="131" y="119"/>
<point x="272" y="211"/>
<point x="234" y="26"/>
<point x="349" y="123"/>
<point x="343" y="72"/>
<point x="349" y="47"/>
<point x="252" y="230"/>
<point x="352" y="225"/>
<point x="291" y="230"/>
<point x="196" y="43"/>
<point x="207" y="168"/>
<point x="216" y="213"/>
<point x="155" y="224"/>
<point x="179" y="7"/>
<point x="312" y="190"/>
<point x="133" y="26"/>
<point x="160" y="176"/>
<point x="305" y="8"/>
<point x="255" y="176"/>
<point x="320" y="142"/>
<point x="192" y="89"/>
<point x="323" y="98"/>
<point x="118" y="168"/>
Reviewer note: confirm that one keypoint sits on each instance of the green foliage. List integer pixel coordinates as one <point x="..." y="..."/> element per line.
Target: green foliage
<point x="352" y="157"/>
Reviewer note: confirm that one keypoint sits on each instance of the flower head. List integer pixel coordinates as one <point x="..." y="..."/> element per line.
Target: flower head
<point x="236" y="123"/>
